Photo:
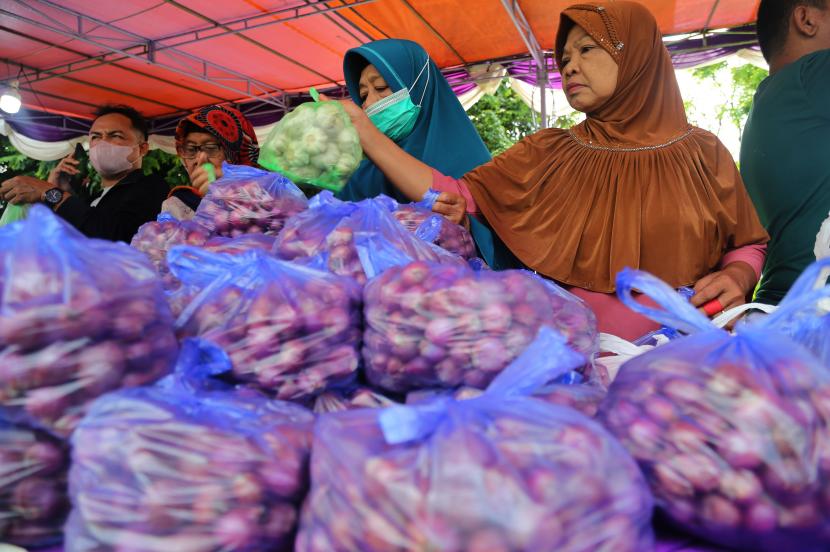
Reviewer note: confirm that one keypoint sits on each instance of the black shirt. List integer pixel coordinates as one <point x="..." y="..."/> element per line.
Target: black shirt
<point x="188" y="197"/>
<point x="134" y="200"/>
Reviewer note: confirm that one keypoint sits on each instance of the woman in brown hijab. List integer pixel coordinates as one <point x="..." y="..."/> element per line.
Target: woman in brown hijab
<point x="634" y="185"/>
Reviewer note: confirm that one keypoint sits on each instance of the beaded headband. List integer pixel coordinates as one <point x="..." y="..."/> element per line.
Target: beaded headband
<point x="616" y="44"/>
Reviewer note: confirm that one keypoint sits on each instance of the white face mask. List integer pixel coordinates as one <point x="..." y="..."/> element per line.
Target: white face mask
<point x="110" y="159"/>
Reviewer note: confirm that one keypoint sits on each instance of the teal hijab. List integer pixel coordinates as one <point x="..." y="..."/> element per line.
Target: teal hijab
<point x="443" y="136"/>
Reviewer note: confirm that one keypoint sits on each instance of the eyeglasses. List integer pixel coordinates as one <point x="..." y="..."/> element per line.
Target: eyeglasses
<point x="190" y="151"/>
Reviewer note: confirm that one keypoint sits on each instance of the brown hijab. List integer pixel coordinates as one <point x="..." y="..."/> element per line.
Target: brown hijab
<point x="632" y="186"/>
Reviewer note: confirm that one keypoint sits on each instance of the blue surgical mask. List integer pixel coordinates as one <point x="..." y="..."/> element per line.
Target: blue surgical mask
<point x="396" y="114"/>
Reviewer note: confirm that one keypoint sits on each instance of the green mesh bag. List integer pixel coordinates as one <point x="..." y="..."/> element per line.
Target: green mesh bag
<point x="315" y="144"/>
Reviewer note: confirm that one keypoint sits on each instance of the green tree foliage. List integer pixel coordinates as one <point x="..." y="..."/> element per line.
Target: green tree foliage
<point x="737" y="91"/>
<point x="502" y="119"/>
<point x="746" y="80"/>
<point x="568" y="119"/>
<point x="13" y="163"/>
<point x="167" y="166"/>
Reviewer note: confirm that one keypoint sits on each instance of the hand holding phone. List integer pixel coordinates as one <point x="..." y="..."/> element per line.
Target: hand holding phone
<point x="62" y="175"/>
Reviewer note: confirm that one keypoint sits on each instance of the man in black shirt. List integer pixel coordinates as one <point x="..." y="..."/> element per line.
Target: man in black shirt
<point x="118" y="144"/>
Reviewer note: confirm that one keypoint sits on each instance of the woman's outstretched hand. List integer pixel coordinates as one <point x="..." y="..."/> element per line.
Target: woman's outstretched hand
<point x="409" y="175"/>
<point x="452" y="206"/>
<point x="361" y="122"/>
<point x="730" y="287"/>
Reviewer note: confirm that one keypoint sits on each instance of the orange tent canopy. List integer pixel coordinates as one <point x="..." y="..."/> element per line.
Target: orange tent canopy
<point x="166" y="57"/>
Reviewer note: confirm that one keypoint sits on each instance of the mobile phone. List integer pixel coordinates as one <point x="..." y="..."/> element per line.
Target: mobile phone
<point x="64" y="178"/>
<point x="79" y="151"/>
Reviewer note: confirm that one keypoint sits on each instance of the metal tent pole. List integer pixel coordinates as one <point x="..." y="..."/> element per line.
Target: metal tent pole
<point x="542" y="76"/>
<point x="247" y="86"/>
<point x="523" y="27"/>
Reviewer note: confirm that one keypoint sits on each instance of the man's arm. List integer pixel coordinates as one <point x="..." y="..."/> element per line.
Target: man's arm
<point x="22" y="190"/>
<point x="411" y="176"/>
<point x="119" y="214"/>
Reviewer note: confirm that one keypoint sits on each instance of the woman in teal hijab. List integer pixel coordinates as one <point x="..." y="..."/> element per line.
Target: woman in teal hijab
<point x="405" y="95"/>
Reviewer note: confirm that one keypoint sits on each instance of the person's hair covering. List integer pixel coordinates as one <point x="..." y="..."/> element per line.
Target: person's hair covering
<point x="632" y="186"/>
<point x="234" y="132"/>
<point x="773" y="24"/>
<point x="443" y="136"/>
<point x="137" y="120"/>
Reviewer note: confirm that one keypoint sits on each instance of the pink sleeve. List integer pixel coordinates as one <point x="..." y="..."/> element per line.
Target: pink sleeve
<point x="613" y="317"/>
<point x="443" y="183"/>
<point x="753" y="255"/>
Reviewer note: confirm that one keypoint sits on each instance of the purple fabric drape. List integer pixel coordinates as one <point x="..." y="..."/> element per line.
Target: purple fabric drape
<point x="46" y="127"/>
<point x="685" y="53"/>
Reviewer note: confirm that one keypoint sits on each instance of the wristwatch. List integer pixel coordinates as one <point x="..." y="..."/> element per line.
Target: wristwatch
<point x="52" y="197"/>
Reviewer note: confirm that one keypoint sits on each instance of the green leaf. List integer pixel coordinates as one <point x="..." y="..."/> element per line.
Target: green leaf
<point x="502" y="119"/>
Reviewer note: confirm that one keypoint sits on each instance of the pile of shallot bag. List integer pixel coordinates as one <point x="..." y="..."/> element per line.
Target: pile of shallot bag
<point x="178" y="297"/>
<point x="243" y="210"/>
<point x="499" y="472"/>
<point x="447" y="325"/>
<point x="509" y="439"/>
<point x="359" y="240"/>
<point x="288" y="329"/>
<point x="188" y="465"/>
<point x="241" y="244"/>
<point x="810" y="325"/>
<point x="247" y="200"/>
<point x="78" y="317"/>
<point x="155" y="238"/>
<point x="572" y="389"/>
<point x="33" y="498"/>
<point x="350" y="399"/>
<point x="452" y="237"/>
<point x="731" y="431"/>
